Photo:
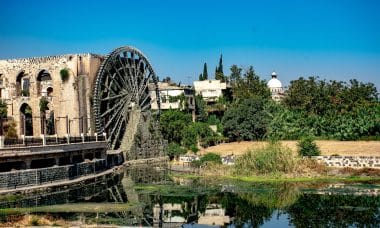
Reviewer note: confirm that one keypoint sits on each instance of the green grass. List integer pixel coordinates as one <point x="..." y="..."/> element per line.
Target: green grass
<point x="277" y="179"/>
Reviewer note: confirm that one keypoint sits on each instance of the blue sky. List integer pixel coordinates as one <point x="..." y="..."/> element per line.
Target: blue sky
<point x="331" y="39"/>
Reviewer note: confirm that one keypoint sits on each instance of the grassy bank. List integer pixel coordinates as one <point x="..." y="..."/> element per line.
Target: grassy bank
<point x="327" y="147"/>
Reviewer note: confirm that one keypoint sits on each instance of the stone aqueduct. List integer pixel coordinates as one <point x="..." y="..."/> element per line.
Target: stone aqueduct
<point x="78" y="94"/>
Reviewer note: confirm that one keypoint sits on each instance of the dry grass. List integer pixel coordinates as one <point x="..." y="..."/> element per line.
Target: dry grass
<point x="327" y="147"/>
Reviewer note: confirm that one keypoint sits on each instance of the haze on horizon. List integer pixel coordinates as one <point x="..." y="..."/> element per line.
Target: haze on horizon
<point x="335" y="40"/>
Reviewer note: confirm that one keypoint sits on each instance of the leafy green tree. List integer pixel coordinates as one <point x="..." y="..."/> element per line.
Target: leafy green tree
<point x="211" y="157"/>
<point x="197" y="132"/>
<point x="246" y="120"/>
<point x="174" y="150"/>
<point x="235" y="73"/>
<point x="200" y="108"/>
<point x="172" y="123"/>
<point x="250" y="86"/>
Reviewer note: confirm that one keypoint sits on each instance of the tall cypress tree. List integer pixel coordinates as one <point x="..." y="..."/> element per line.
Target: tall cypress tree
<point x="219" y="70"/>
<point x="205" y="74"/>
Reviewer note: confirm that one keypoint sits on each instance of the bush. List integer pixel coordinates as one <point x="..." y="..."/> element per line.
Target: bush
<point x="270" y="159"/>
<point x="307" y="147"/>
<point x="211" y="157"/>
<point x="64" y="74"/>
<point x="174" y="150"/>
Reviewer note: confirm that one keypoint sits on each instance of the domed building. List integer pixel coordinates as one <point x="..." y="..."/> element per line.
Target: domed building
<point x="275" y="87"/>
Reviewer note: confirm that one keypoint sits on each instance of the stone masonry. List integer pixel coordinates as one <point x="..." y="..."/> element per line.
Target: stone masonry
<point x="26" y="81"/>
<point x="350" y="161"/>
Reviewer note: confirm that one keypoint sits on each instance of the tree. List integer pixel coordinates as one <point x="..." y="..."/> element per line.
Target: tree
<point x="219" y="75"/>
<point x="235" y="73"/>
<point x="172" y="123"/>
<point x="205" y="74"/>
<point x="174" y="150"/>
<point x="249" y="86"/>
<point x="307" y="147"/>
<point x="246" y="120"/>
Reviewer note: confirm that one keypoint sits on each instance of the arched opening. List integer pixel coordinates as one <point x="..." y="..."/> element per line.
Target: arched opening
<point x="22" y="84"/>
<point x="43" y="80"/>
<point x="49" y="92"/>
<point x="26" y="120"/>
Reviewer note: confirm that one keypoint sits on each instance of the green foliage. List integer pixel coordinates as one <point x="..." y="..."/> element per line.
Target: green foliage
<point x="198" y="132"/>
<point x="173" y="122"/>
<point x="319" y="97"/>
<point x="211" y="157"/>
<point x="270" y="159"/>
<point x="207" y="159"/>
<point x="3" y="109"/>
<point x="174" y="150"/>
<point x="44" y="104"/>
<point x="249" y="86"/>
<point x="246" y="120"/>
<point x="65" y="73"/>
<point x="200" y="108"/>
<point x="307" y="147"/>
<point x="219" y="75"/>
<point x="10" y="129"/>
<point x="204" y="76"/>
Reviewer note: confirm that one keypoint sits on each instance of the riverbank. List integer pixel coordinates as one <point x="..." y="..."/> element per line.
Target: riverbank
<point x="327" y="147"/>
<point x="308" y="172"/>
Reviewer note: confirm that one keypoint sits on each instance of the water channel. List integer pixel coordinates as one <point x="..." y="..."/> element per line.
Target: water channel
<point x="152" y="196"/>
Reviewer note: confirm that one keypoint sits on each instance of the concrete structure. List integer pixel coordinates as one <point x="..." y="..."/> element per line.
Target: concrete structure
<point x="210" y="90"/>
<point x="25" y="82"/>
<point x="275" y="87"/>
<point x="172" y="96"/>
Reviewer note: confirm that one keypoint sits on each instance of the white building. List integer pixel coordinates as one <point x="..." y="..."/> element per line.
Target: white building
<point x="210" y="90"/>
<point x="275" y="87"/>
<point x="173" y="96"/>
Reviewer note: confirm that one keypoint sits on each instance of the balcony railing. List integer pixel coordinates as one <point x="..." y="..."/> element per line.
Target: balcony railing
<point x="48" y="140"/>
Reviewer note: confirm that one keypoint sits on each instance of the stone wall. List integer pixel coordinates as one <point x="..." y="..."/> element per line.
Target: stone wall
<point x="68" y="98"/>
<point x="34" y="177"/>
<point x="350" y="161"/>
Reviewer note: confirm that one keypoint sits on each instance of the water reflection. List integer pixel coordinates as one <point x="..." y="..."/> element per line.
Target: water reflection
<point x="145" y="195"/>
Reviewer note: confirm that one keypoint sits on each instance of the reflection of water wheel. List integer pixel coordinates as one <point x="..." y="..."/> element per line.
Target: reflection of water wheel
<point x="121" y="91"/>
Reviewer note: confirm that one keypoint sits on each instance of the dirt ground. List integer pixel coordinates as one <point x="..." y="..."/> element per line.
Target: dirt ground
<point x="327" y="147"/>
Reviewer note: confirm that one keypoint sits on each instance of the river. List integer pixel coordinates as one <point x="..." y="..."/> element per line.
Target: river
<point x="151" y="196"/>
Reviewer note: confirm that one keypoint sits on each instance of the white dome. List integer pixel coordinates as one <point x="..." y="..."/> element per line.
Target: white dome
<point x="274" y="83"/>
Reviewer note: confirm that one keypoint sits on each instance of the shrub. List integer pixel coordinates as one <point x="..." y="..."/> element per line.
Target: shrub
<point x="64" y="74"/>
<point x="270" y="159"/>
<point x="211" y="157"/>
<point x="307" y="147"/>
<point x="174" y="150"/>
<point x="43" y="104"/>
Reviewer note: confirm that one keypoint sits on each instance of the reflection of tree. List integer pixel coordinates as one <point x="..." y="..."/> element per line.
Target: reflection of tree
<point x="335" y="211"/>
<point x="244" y="211"/>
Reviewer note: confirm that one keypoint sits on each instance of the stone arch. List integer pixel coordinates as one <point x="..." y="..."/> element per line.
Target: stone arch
<point x="42" y="80"/>
<point x="26" y="120"/>
<point x="22" y="84"/>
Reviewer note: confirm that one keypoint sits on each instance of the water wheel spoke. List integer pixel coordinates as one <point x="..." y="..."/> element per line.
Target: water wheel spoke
<point x="120" y="107"/>
<point x="117" y="105"/>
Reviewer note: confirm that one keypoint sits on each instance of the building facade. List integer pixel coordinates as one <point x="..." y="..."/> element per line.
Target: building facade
<point x="210" y="90"/>
<point x="49" y="95"/>
<point x="172" y="96"/>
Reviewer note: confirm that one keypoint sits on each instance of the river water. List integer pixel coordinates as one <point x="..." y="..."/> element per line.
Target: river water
<point x="148" y="196"/>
